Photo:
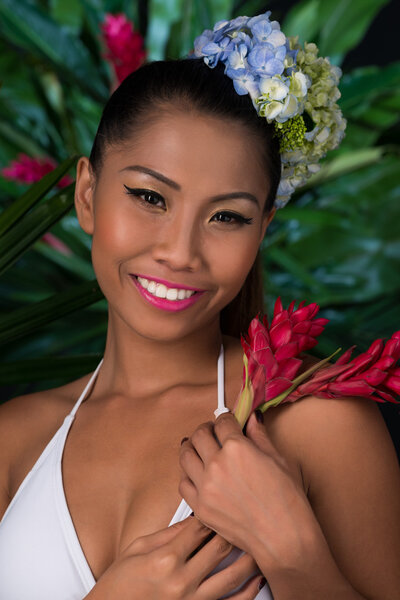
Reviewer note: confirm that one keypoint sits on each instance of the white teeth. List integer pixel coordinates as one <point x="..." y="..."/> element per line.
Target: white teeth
<point x="151" y="287"/>
<point x="161" y="291"/>
<point x="172" y="294"/>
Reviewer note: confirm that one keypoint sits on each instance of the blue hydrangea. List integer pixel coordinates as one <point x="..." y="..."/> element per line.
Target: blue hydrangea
<point x="283" y="80"/>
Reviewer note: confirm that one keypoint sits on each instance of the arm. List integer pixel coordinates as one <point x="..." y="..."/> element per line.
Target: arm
<point x="342" y="541"/>
<point x="352" y="475"/>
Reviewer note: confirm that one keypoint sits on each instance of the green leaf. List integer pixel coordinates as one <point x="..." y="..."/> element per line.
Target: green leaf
<point x="25" y="320"/>
<point x="33" y="30"/>
<point x="35" y="193"/>
<point x="49" y="367"/>
<point x="15" y="242"/>
<point x="345" y="23"/>
<point x="345" y="163"/>
<point x="363" y="85"/>
<point x="303" y="20"/>
<point x="81" y="268"/>
<point x="336" y="26"/>
<point x="162" y="15"/>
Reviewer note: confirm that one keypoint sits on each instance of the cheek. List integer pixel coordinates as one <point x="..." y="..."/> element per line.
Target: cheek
<point x="117" y="238"/>
<point x="232" y="262"/>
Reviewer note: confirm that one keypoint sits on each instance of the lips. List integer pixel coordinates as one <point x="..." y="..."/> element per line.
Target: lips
<point x="164" y="303"/>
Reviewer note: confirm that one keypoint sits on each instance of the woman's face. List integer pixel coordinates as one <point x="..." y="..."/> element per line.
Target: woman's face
<point x="164" y="207"/>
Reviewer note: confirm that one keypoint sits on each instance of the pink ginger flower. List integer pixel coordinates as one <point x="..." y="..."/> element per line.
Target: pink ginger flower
<point x="270" y="352"/>
<point x="373" y="374"/>
<point x="271" y="364"/>
<point x="124" y="45"/>
<point x="29" y="170"/>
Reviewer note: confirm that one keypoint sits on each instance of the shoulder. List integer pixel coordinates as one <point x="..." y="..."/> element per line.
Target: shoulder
<point x="351" y="476"/>
<point x="27" y="423"/>
<point x="325" y="435"/>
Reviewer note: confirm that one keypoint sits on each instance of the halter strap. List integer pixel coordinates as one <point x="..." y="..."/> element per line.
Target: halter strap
<point x="88" y="386"/>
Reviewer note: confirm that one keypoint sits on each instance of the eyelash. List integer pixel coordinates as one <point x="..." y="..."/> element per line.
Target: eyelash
<point x="140" y="192"/>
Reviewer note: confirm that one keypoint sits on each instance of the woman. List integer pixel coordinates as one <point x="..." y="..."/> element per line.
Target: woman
<point x="180" y="188"/>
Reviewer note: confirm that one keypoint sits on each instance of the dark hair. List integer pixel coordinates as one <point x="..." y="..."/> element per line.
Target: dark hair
<point x="190" y="84"/>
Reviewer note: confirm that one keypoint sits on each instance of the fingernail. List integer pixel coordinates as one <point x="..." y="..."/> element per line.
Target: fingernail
<point x="184" y="440"/>
<point x="259" y="416"/>
<point x="263" y="581"/>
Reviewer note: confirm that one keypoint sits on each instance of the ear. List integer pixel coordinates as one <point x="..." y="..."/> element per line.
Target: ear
<point x="267" y="218"/>
<point x="84" y="192"/>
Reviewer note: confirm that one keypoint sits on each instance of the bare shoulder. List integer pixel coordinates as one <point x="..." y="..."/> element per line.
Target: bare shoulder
<point x="321" y="432"/>
<point x="351" y="475"/>
<point x="27" y="424"/>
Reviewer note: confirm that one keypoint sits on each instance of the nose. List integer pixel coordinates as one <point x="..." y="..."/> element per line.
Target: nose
<point x="178" y="245"/>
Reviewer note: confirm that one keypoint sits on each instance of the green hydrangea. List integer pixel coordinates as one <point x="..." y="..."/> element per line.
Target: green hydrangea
<point x="302" y="150"/>
<point x="291" y="133"/>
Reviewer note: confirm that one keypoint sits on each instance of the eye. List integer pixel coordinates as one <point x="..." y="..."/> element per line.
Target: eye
<point x="231" y="215"/>
<point x="147" y="195"/>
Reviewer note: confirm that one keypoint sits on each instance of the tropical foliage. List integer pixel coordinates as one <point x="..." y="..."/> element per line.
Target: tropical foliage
<point x="335" y="244"/>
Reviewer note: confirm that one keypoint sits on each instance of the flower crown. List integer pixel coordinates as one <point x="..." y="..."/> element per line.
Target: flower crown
<point x="288" y="84"/>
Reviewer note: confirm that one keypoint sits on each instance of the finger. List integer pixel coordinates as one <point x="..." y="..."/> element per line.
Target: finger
<point x="188" y="491"/>
<point x="256" y="432"/>
<point x="251" y="589"/>
<point x="152" y="541"/>
<point x="204" y="441"/>
<point x="230" y="579"/>
<point x="191" y="462"/>
<point x="227" y="426"/>
<point x="208" y="556"/>
<point x="188" y="539"/>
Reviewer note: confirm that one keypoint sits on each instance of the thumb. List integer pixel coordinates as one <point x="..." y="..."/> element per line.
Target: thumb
<point x="255" y="431"/>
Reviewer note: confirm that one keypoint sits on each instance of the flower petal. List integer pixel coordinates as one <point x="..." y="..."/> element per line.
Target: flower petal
<point x="280" y="334"/>
<point x="276" y="387"/>
<point x="351" y="388"/>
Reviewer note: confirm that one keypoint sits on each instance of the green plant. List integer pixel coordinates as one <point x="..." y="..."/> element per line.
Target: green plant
<point x="336" y="243"/>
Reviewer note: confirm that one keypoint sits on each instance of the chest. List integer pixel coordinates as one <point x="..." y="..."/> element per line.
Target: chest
<point x="121" y="474"/>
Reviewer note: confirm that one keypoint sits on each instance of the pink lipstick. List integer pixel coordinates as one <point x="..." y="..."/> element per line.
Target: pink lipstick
<point x="163" y="303"/>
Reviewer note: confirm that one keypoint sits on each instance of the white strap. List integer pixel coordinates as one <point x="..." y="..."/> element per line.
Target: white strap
<point x="83" y="395"/>
<point x="221" y="385"/>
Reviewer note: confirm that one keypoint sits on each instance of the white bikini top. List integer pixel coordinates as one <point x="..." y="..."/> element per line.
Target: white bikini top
<point x="40" y="554"/>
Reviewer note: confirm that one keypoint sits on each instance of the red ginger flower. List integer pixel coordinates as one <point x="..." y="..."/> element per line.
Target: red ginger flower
<point x="271" y="367"/>
<point x="29" y="170"/>
<point x="124" y="45"/>
<point x="276" y="346"/>
<point x="270" y="351"/>
<point x="372" y="374"/>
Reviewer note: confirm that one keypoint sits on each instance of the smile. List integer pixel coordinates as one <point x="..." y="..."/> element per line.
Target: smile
<point x="170" y="299"/>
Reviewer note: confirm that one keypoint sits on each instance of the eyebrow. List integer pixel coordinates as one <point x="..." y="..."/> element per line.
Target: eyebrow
<point x="176" y="186"/>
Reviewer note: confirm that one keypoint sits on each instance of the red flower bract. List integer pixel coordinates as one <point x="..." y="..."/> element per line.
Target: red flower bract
<point x="124" y="45"/>
<point x="276" y="347"/>
<point x="271" y="364"/>
<point x="29" y="170"/>
<point x="372" y="374"/>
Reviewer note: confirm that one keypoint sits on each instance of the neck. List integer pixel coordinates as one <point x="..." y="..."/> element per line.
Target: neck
<point x="136" y="365"/>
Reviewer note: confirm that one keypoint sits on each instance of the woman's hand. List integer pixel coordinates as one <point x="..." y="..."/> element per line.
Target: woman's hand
<point x="241" y="487"/>
<point x="174" y="564"/>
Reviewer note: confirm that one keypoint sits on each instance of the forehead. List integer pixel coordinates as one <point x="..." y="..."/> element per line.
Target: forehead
<point x="193" y="148"/>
